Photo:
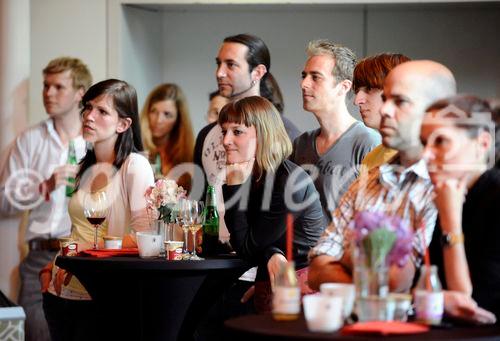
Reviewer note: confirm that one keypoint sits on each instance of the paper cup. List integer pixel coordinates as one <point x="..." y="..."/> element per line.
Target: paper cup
<point x="323" y="313"/>
<point x="149" y="244"/>
<point x="344" y="290"/>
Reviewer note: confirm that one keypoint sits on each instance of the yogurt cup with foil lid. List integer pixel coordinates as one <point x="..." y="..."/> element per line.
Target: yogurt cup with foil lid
<point x="69" y="247"/>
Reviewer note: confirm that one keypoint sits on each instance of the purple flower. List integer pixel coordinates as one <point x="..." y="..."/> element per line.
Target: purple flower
<point x="402" y="248"/>
<point x="393" y="245"/>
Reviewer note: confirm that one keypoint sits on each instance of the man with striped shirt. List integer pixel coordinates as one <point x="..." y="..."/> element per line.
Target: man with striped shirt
<point x="402" y="187"/>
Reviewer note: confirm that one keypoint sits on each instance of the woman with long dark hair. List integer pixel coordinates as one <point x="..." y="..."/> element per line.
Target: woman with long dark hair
<point x="113" y="166"/>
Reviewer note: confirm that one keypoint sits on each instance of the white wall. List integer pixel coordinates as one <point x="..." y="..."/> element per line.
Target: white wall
<point x="143" y="46"/>
<point x="73" y="28"/>
<point x="179" y="43"/>
<point x="462" y="36"/>
<point x="192" y="39"/>
<point x="14" y="75"/>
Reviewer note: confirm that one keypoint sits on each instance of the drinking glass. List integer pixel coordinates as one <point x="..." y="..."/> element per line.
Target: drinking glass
<point x="95" y="209"/>
<point x="197" y="217"/>
<point x="185" y="219"/>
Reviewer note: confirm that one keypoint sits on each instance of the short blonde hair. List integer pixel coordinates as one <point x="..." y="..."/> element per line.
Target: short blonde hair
<point x="273" y="143"/>
<point x="345" y="58"/>
<point x="82" y="79"/>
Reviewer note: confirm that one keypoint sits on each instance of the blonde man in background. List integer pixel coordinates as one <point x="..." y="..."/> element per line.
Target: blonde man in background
<point x="34" y="178"/>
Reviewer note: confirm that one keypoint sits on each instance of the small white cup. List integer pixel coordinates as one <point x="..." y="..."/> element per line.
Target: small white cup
<point x="323" y="313"/>
<point x="111" y="242"/>
<point x="149" y="244"/>
<point x="344" y="290"/>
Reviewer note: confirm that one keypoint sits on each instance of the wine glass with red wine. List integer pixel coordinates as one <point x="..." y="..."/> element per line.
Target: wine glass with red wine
<point x="95" y="208"/>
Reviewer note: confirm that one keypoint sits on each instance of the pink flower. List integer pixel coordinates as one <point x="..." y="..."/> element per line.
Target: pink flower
<point x="165" y="192"/>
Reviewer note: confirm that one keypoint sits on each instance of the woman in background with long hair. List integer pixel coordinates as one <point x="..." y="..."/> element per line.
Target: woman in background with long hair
<point x="166" y="130"/>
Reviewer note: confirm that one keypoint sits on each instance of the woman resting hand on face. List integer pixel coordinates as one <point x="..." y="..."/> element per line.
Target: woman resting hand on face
<point x="456" y="134"/>
<point x="113" y="166"/>
<point x="261" y="188"/>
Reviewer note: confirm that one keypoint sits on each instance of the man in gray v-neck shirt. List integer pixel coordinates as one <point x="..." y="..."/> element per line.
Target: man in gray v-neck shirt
<point x="333" y="153"/>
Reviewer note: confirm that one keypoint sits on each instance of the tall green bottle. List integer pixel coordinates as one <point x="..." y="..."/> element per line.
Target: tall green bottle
<point x="210" y="224"/>
<point x="71" y="161"/>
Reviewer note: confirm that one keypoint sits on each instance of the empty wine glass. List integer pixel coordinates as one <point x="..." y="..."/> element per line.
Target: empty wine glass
<point x="95" y="209"/>
<point x="197" y="217"/>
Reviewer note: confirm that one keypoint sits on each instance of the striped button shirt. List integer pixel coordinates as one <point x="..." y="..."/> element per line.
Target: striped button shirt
<point x="407" y="193"/>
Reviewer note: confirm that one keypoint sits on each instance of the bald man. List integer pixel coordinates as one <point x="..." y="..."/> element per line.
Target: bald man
<point x="402" y="187"/>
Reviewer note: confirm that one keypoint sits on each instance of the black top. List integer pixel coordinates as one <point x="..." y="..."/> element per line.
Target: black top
<point x="481" y="229"/>
<point x="198" y="150"/>
<point x="198" y="146"/>
<point x="258" y="230"/>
